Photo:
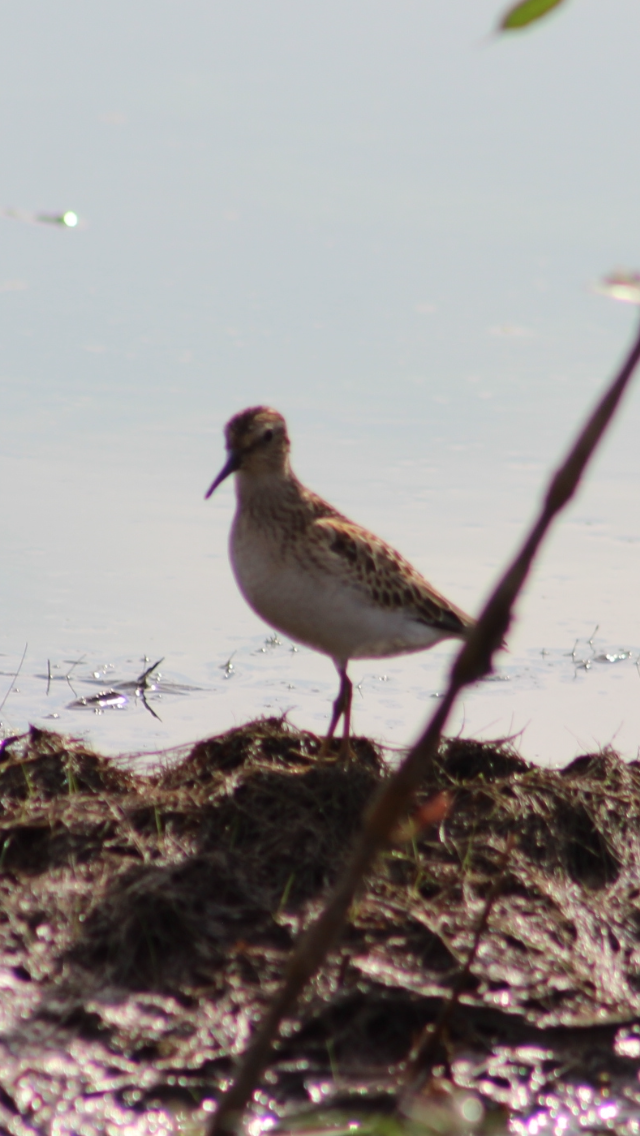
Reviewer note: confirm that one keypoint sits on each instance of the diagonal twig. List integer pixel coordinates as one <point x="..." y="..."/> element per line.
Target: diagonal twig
<point x="433" y="1035"/>
<point x="143" y="686"/>
<point x="10" y="687"/>
<point x="391" y="801"/>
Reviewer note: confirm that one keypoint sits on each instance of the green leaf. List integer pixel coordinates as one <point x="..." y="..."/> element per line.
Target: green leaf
<point x="526" y="12"/>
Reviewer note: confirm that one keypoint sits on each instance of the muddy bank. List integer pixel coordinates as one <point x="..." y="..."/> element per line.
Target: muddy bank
<point x="145" y="921"/>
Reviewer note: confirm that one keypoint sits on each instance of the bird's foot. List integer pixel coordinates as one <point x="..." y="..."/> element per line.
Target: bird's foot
<point x="326" y="746"/>
<point x="327" y="751"/>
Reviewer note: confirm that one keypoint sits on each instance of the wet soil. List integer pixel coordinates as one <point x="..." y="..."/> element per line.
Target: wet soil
<point x="145" y="921"/>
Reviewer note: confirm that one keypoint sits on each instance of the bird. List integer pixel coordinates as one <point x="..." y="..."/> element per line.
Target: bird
<point x="314" y="575"/>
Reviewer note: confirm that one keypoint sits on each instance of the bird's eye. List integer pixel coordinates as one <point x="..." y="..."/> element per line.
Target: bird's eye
<point x="267" y="436"/>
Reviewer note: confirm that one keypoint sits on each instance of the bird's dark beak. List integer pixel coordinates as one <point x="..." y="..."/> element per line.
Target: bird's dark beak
<point x="231" y="465"/>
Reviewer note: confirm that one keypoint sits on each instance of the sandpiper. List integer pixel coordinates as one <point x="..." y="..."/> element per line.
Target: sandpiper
<point x="313" y="574"/>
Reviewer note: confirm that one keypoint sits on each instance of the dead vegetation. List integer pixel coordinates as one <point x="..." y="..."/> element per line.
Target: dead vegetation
<point x="145" y="920"/>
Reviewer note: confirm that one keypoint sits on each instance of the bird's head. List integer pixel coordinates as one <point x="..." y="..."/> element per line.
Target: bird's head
<point x="257" y="443"/>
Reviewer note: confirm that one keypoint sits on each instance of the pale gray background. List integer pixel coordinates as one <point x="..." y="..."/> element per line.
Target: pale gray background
<point x="374" y="216"/>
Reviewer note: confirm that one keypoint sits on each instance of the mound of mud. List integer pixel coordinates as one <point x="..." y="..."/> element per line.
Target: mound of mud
<point x="145" y="920"/>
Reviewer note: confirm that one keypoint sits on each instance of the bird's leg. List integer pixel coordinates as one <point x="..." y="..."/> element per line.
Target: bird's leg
<point x="346" y="688"/>
<point x="342" y="705"/>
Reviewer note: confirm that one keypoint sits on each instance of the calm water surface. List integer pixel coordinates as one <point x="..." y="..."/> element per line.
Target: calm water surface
<point x="387" y="226"/>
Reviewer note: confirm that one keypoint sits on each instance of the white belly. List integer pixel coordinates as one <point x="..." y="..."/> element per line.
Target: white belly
<point x="318" y="608"/>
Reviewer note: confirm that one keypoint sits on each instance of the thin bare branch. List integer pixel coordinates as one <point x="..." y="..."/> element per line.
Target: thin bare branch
<point x="10" y="687"/>
<point x="431" y="1040"/>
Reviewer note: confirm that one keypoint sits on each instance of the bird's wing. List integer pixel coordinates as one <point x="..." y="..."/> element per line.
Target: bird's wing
<point x="372" y="566"/>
